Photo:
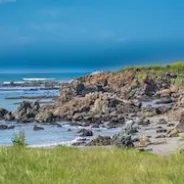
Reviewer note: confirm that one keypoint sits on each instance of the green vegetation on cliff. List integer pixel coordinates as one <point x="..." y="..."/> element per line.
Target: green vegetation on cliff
<point x="88" y="166"/>
<point x="154" y="71"/>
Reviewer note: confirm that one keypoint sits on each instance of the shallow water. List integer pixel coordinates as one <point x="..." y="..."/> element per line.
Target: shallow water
<point x="11" y="104"/>
<point x="51" y="135"/>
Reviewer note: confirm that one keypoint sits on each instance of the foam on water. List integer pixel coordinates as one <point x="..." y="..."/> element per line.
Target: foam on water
<point x="38" y="79"/>
<point x="51" y="135"/>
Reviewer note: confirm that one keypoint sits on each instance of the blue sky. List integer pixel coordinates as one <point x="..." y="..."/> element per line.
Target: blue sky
<point x="87" y="33"/>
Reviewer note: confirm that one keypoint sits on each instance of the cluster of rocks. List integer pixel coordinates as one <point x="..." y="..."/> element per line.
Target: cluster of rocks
<point x="105" y="97"/>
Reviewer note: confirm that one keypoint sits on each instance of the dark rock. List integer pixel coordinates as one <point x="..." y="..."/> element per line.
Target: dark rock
<point x="162" y="110"/>
<point x="9" y="117"/>
<point x="95" y="126"/>
<point x="162" y="122"/>
<point x="27" y="111"/>
<point x="37" y="128"/>
<point x="164" y="101"/>
<point x="56" y="124"/>
<point x="3" y="127"/>
<point x="3" y="113"/>
<point x="161" y="136"/>
<point x="116" y="121"/>
<point x="124" y="138"/>
<point x="143" y="122"/>
<point x="45" y="116"/>
<point x="85" y="133"/>
<point x="69" y="130"/>
<point x="148" y="111"/>
<point x="145" y="150"/>
<point x="131" y="127"/>
<point x="161" y="131"/>
<point x="80" y="89"/>
<point x="11" y="127"/>
<point x="80" y="142"/>
<point x="101" y="141"/>
<point x="171" y="125"/>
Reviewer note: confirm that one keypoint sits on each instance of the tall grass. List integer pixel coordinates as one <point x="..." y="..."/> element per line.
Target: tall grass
<point x="18" y="139"/>
<point x="88" y="166"/>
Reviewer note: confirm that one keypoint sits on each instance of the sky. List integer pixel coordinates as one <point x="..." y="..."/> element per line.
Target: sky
<point x="96" y="34"/>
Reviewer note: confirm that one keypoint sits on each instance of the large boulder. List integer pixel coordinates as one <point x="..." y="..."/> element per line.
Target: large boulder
<point x="100" y="141"/>
<point x="27" y="111"/>
<point x="123" y="140"/>
<point x="85" y="133"/>
<point x="3" y="113"/>
<point x="45" y="115"/>
<point x="96" y="107"/>
<point x="9" y="117"/>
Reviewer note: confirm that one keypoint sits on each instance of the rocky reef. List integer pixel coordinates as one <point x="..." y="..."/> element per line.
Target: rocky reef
<point x="138" y="94"/>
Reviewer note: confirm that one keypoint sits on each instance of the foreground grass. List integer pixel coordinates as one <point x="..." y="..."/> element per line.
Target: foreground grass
<point x="89" y="166"/>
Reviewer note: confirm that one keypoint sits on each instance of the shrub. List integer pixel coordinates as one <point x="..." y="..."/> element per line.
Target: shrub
<point x="19" y="139"/>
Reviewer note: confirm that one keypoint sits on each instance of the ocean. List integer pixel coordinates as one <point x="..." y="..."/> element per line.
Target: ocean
<point x="112" y="59"/>
<point x="20" y="76"/>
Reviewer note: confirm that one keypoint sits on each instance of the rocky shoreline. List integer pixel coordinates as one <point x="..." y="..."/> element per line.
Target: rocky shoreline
<point x="136" y="99"/>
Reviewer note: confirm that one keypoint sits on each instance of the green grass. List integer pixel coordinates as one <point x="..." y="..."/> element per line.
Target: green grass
<point x="89" y="166"/>
<point x="155" y="71"/>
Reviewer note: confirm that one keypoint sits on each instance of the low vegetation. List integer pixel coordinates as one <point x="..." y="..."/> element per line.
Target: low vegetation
<point x="64" y="165"/>
<point x="159" y="70"/>
<point x="18" y="139"/>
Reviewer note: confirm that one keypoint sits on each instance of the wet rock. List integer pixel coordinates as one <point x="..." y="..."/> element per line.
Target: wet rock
<point x="162" y="121"/>
<point x="37" y="128"/>
<point x="45" y="116"/>
<point x="80" y="89"/>
<point x="150" y="86"/>
<point x="148" y="111"/>
<point x="161" y="136"/>
<point x="3" y="113"/>
<point x="3" y="127"/>
<point x="143" y="121"/>
<point x="26" y="111"/>
<point x="131" y="127"/>
<point x="171" y="125"/>
<point x="85" y="133"/>
<point x="124" y="138"/>
<point x="9" y="117"/>
<point x="101" y="141"/>
<point x="164" y="101"/>
<point x="161" y="131"/>
<point x="69" y="129"/>
<point x="11" y="127"/>
<point x="95" y="108"/>
<point x="57" y="124"/>
<point x="116" y="122"/>
<point x="162" y="110"/>
<point x="145" y="150"/>
<point x="95" y="126"/>
<point x="142" y="142"/>
<point x="80" y="142"/>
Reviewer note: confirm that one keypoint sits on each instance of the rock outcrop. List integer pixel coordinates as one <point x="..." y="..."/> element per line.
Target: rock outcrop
<point x="26" y="112"/>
